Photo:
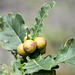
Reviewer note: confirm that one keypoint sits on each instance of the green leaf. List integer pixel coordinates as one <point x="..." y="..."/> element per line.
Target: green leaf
<point x="41" y="15"/>
<point x="40" y="63"/>
<point x="15" y="65"/>
<point x="13" y="30"/>
<point x="66" y="54"/>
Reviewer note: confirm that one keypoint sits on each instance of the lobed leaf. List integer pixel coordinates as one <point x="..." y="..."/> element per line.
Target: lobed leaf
<point x="66" y="54"/>
<point x="40" y="63"/>
<point x="15" y="65"/>
<point x="12" y="31"/>
<point x="41" y="15"/>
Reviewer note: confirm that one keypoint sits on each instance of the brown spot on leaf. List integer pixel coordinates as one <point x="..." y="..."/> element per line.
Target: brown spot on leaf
<point x="69" y="42"/>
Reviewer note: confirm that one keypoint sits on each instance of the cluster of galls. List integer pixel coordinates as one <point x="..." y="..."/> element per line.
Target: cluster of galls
<point x="30" y="46"/>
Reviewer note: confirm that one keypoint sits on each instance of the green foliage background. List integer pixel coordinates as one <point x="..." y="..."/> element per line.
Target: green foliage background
<point x="58" y="27"/>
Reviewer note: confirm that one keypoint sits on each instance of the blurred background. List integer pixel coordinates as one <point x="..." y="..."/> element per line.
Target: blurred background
<point x="58" y="27"/>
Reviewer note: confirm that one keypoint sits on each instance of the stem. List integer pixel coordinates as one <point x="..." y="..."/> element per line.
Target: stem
<point x="14" y="53"/>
